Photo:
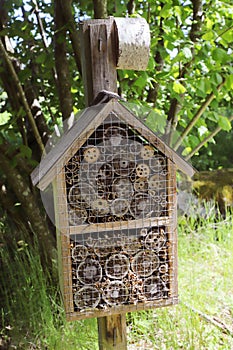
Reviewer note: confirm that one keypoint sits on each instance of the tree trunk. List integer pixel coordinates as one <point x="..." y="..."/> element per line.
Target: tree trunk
<point x="18" y="183"/>
<point x="61" y="62"/>
<point x="100" y="8"/>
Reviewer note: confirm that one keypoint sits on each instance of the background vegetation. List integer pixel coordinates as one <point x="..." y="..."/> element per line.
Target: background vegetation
<point x="188" y="89"/>
<point x="187" y="86"/>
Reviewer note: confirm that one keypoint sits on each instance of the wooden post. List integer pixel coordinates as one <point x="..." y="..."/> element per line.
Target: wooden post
<point x="98" y="44"/>
<point x="112" y="332"/>
<point x="98" y="57"/>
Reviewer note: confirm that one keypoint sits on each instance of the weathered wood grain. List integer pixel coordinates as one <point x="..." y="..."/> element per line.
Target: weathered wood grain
<point x="98" y="57"/>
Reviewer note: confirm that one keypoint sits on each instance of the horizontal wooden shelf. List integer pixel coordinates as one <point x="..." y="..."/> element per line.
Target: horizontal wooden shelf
<point x="119" y="225"/>
<point x="122" y="309"/>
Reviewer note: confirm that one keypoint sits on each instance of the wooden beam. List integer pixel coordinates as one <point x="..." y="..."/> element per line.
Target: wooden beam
<point x="98" y="57"/>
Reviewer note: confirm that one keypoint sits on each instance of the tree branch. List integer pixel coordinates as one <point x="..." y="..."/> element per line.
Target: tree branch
<point x="131" y="7"/>
<point x="43" y="36"/>
<point x="73" y="33"/>
<point x="198" y="114"/>
<point x="175" y="105"/>
<point x="22" y="97"/>
<point x="206" y="139"/>
<point x="40" y="25"/>
<point x="195" y="32"/>
<point x="153" y="92"/>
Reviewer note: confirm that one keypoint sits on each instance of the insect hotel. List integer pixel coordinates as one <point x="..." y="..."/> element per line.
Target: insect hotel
<point x="115" y="205"/>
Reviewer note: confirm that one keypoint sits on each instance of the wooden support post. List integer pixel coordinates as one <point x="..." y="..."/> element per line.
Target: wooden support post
<point x="112" y="332"/>
<point x="98" y="44"/>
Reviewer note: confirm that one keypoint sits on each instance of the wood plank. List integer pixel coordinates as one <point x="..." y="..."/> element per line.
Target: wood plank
<point x="123" y="225"/>
<point x="172" y="229"/>
<point x="133" y="36"/>
<point x="123" y="309"/>
<point x="63" y="242"/>
<point x="98" y="57"/>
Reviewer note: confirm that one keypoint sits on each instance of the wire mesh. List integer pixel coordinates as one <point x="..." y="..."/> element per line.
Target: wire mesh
<point x="120" y="207"/>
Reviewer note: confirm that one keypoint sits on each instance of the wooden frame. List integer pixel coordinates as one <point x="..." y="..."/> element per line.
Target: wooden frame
<point x="52" y="168"/>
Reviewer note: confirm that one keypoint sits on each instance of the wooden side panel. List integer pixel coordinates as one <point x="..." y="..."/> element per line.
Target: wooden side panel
<point x="63" y="241"/>
<point x="172" y="228"/>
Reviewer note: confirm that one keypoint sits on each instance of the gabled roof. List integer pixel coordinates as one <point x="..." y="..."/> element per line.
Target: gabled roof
<point x="82" y="129"/>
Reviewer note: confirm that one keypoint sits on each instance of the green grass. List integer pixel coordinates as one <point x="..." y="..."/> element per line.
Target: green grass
<point x="205" y="286"/>
<point x="32" y="316"/>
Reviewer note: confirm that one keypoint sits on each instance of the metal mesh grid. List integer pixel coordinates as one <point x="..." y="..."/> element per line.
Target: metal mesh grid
<point x="119" y="201"/>
<point x="120" y="267"/>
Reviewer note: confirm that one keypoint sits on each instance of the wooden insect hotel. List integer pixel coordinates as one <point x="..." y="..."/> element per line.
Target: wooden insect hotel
<point x="115" y="203"/>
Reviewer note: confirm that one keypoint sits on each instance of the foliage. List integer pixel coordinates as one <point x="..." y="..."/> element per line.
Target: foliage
<point x="187" y="86"/>
<point x="32" y="315"/>
<point x="217" y="154"/>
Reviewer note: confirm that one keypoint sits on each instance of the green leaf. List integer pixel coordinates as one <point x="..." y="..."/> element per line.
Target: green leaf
<point x="193" y="140"/>
<point x="204" y="86"/>
<point x="151" y="63"/>
<point x="4" y="117"/>
<point x="224" y="123"/>
<point x="228" y="36"/>
<point x="74" y="90"/>
<point x="141" y="81"/>
<point x="219" y="55"/>
<point x="166" y="11"/>
<point x="208" y="36"/>
<point x="229" y="82"/>
<point x="178" y="88"/>
<point x="201" y="85"/>
<point x="41" y="58"/>
<point x="162" y="75"/>
<point x="156" y="121"/>
<point x="25" y="151"/>
<point x="186" y="151"/>
<point x="209" y="23"/>
<point x="217" y="78"/>
<point x="178" y="13"/>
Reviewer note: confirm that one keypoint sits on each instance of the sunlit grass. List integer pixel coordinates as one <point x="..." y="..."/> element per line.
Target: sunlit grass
<point x="205" y="286"/>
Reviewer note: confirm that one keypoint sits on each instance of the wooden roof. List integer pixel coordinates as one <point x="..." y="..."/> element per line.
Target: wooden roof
<point x="82" y="129"/>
